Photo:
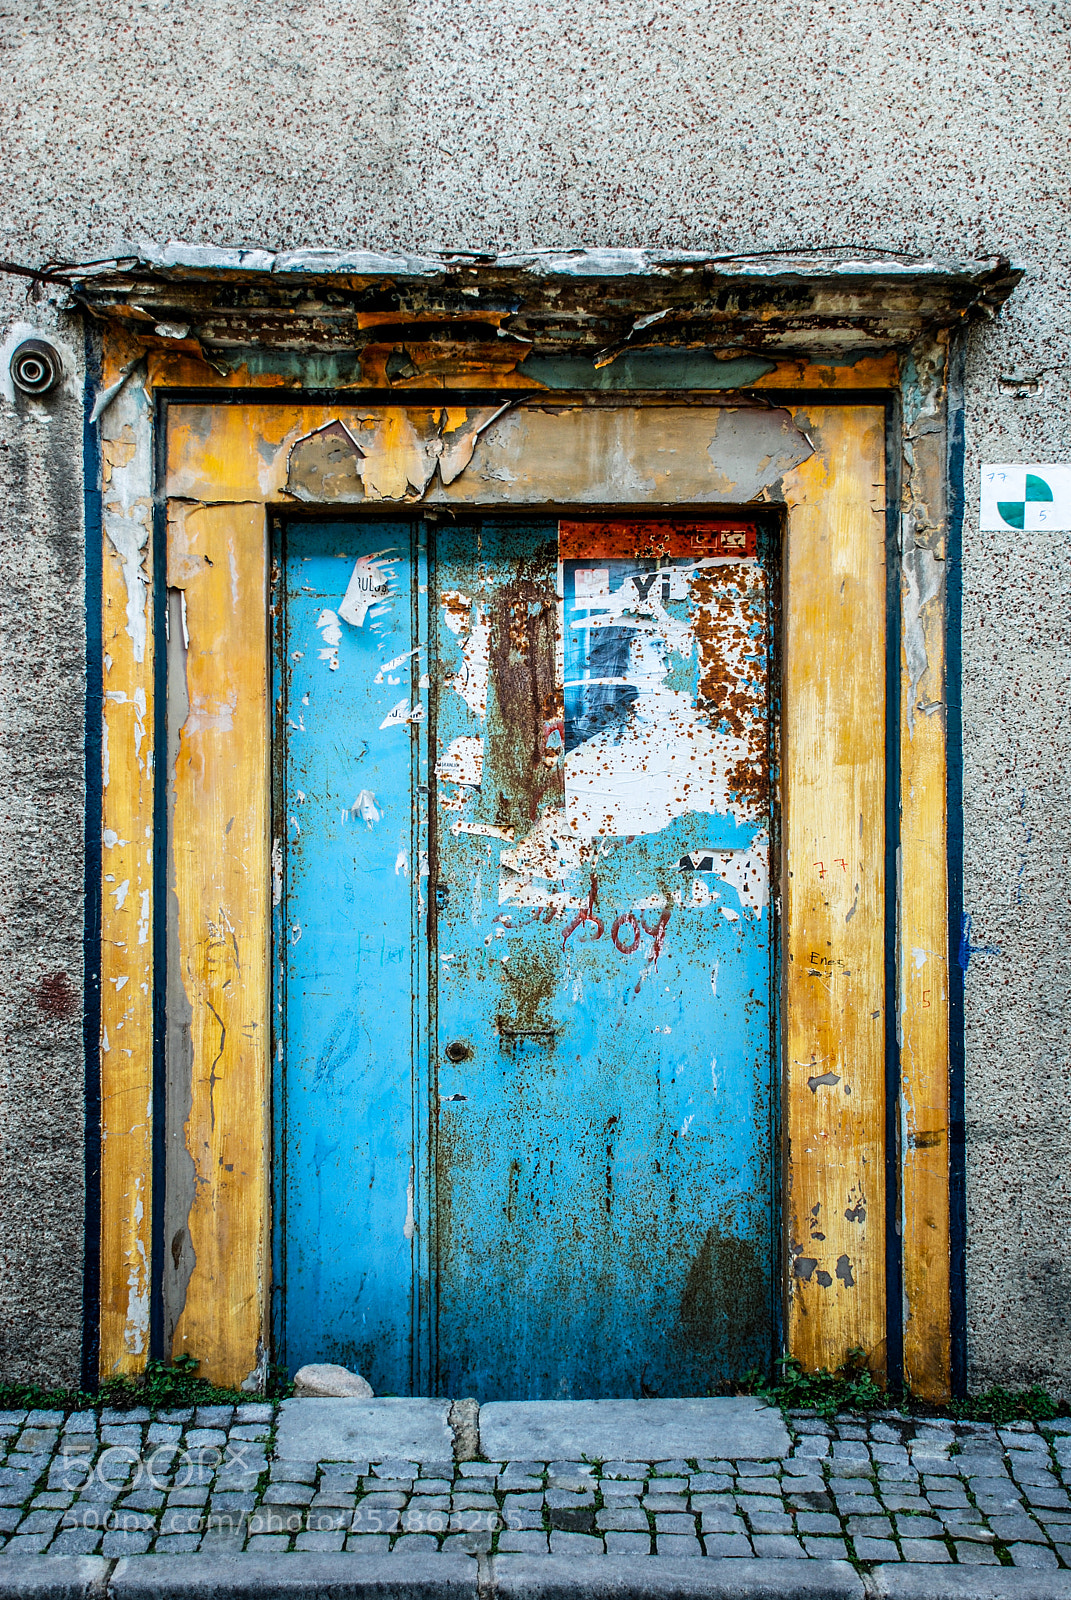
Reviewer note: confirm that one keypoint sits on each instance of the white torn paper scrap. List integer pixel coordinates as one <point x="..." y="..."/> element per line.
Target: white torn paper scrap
<point x="462" y="762"/>
<point x="365" y="806"/>
<point x="369" y="583"/>
<point x="483" y="830"/>
<point x="401" y="714"/>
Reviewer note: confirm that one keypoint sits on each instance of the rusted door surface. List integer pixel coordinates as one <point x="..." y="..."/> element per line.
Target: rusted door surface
<point x="571" y="972"/>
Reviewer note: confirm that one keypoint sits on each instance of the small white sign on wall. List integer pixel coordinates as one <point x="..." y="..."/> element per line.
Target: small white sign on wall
<point x="1026" y="495"/>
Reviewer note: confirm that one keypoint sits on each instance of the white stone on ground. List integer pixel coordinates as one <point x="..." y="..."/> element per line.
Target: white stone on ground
<point x="324" y="1381"/>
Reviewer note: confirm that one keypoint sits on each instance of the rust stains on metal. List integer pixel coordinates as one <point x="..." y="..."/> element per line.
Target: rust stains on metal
<point x="527" y="700"/>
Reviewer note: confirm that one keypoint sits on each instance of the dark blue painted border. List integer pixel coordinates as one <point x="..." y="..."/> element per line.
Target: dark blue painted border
<point x="91" y="931"/>
<point x="958" y="944"/>
<point x="160" y="856"/>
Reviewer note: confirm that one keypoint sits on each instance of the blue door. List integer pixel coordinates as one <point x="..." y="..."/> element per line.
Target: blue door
<point x="523" y="945"/>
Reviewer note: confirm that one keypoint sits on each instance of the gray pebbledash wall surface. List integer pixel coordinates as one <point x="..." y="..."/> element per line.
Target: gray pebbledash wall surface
<point x="935" y="127"/>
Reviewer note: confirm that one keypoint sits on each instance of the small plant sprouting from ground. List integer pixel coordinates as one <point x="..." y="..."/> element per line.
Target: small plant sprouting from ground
<point x="167" y="1385"/>
<point x="1006" y="1405"/>
<point x="163" y="1385"/>
<point x="850" y="1388"/>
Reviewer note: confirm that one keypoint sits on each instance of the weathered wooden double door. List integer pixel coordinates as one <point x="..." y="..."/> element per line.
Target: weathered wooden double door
<point x="523" y="954"/>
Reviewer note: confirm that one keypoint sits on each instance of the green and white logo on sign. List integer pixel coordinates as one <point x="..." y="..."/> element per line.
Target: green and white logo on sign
<point x="1027" y="496"/>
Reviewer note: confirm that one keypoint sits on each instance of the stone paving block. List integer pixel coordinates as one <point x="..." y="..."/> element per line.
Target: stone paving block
<point x="722" y="1522"/>
<point x="859" y="1505"/>
<point x="976" y="1555"/>
<point x="76" y="1542"/>
<point x="212" y="1416"/>
<point x="379" y="1519"/>
<point x="658" y="1502"/>
<point x="918" y="1527"/>
<point x="778" y="1546"/>
<point x="625" y="1521"/>
<point x="727" y="1545"/>
<point x="1055" y="1499"/>
<point x="579" y="1544"/>
<point x="825" y="1549"/>
<point x="771" y="1522"/>
<point x="259" y="1542"/>
<point x="260" y="1412"/>
<point x="632" y="1430"/>
<point x="668" y="1522"/>
<point x="869" y="1527"/>
<point x="277" y="1519"/>
<point x="414" y="1541"/>
<point x="670" y="1467"/>
<point x="931" y="1551"/>
<point x="121" y="1543"/>
<point x="40" y="1522"/>
<point x="530" y="1542"/>
<point x="527" y="1517"/>
<point x="623" y="1544"/>
<point x="759" y="1502"/>
<point x="767" y="1486"/>
<point x="1012" y="1528"/>
<point x="369" y="1544"/>
<point x="1032" y="1555"/>
<point x="326" y="1520"/>
<point x="288" y="1494"/>
<point x="876" y="1550"/>
<point x="320" y="1541"/>
<point x="484" y="1521"/>
<point x="294" y="1471"/>
<point x="684" y="1546"/>
<point x="363" y="1430"/>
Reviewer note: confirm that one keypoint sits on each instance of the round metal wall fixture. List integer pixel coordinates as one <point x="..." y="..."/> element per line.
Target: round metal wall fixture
<point x="35" y="367"/>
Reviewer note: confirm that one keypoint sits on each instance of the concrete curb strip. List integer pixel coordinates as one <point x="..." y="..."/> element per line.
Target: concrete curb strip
<point x="345" y="1576"/>
<point x="290" y="1574"/>
<point x="663" y="1578"/>
<point x="53" y="1577"/>
<point x="913" y="1581"/>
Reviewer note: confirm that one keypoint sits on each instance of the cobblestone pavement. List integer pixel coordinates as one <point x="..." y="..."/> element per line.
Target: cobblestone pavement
<point x="881" y="1489"/>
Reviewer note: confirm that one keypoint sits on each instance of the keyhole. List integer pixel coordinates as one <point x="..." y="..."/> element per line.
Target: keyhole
<point x="458" y="1050"/>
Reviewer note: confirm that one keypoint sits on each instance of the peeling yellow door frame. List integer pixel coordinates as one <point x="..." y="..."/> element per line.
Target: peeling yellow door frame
<point x="226" y="465"/>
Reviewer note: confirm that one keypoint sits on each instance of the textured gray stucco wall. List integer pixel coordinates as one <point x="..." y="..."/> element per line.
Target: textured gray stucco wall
<point x="939" y="126"/>
<point x="42" y="799"/>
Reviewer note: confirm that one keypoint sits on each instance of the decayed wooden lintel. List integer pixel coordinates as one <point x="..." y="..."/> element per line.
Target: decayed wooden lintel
<point x="833" y="891"/>
<point x="922" y="953"/>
